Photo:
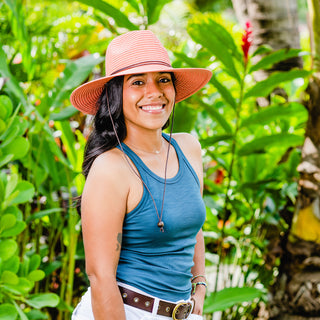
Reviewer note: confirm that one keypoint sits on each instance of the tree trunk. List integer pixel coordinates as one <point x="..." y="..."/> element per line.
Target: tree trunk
<point x="296" y="292"/>
<point x="274" y="23"/>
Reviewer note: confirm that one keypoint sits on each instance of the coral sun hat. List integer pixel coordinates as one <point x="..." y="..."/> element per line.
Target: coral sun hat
<point x="138" y="52"/>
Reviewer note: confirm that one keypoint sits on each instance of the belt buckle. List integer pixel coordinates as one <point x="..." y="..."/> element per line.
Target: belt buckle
<point x="182" y="310"/>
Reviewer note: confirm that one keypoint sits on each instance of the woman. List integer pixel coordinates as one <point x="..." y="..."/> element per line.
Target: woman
<point x="141" y="206"/>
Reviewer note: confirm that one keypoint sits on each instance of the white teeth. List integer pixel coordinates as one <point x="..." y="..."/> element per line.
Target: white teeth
<point x="151" y="108"/>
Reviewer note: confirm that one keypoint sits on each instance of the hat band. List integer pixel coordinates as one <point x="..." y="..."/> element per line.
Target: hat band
<point x="142" y="64"/>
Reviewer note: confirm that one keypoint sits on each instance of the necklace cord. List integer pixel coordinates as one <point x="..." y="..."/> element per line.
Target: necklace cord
<point x="160" y="224"/>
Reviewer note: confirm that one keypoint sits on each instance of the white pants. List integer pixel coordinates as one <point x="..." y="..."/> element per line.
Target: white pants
<point x="83" y="311"/>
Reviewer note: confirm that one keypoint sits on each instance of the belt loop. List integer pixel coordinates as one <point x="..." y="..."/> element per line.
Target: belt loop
<point x="155" y="307"/>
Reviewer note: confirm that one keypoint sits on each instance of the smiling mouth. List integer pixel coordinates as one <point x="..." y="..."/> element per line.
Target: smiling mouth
<point x="152" y="108"/>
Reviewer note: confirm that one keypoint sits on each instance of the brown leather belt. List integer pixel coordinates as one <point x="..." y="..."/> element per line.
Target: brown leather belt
<point x="180" y="310"/>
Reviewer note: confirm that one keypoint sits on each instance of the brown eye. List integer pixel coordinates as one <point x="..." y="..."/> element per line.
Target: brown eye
<point x="165" y="80"/>
<point x="137" y="83"/>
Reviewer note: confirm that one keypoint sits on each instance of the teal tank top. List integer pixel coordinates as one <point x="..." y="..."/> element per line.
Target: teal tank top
<point x="159" y="263"/>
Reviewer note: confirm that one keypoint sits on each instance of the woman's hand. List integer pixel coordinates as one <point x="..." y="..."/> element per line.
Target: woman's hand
<point x="198" y="298"/>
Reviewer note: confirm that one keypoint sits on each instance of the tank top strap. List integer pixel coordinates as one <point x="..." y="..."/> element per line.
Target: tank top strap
<point x="139" y="164"/>
<point x="181" y="155"/>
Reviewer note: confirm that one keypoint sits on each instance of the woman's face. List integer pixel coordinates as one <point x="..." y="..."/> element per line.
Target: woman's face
<point x="148" y="99"/>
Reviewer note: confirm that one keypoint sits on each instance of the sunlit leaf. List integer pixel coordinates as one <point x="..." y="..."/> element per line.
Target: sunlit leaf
<point x="42" y="213"/>
<point x="18" y="148"/>
<point x="65" y="114"/>
<point x="229" y="297"/>
<point x="225" y="93"/>
<point x="7" y="249"/>
<point x="41" y="300"/>
<point x="210" y="141"/>
<point x="259" y="145"/>
<point x="275" y="57"/>
<point x="25" y="192"/>
<point x="119" y="17"/>
<point x="273" y="113"/>
<point x="220" y="43"/>
<point x="8" y="312"/>
<point x="153" y="9"/>
<point x="265" y="87"/>
<point x="5" y="107"/>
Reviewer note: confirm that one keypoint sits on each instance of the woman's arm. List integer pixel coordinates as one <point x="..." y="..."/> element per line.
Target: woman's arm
<point x="197" y="270"/>
<point x="103" y="207"/>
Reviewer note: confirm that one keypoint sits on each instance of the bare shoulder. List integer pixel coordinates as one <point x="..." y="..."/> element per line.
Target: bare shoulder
<point x="188" y="143"/>
<point x="191" y="148"/>
<point x="109" y="163"/>
<point x="108" y="174"/>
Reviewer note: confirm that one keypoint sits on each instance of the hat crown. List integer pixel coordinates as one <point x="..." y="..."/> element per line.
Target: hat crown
<point x="134" y="48"/>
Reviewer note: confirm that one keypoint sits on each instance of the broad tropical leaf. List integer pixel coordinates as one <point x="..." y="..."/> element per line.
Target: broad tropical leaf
<point x="119" y="17"/>
<point x="229" y="297"/>
<point x="265" y="87"/>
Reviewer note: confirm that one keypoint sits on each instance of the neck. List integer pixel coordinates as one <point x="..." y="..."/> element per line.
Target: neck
<point x="149" y="142"/>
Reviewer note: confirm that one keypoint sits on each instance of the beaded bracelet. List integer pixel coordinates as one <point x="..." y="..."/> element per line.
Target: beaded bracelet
<point x="195" y="284"/>
<point x="198" y="276"/>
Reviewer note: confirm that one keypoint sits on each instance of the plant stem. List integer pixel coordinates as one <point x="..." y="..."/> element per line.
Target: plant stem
<point x="233" y="155"/>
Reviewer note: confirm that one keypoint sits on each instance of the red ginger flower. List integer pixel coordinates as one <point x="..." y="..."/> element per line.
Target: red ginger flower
<point x="246" y="41"/>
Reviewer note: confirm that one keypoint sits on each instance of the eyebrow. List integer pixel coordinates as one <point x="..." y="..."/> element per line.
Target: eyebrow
<point x="142" y="74"/>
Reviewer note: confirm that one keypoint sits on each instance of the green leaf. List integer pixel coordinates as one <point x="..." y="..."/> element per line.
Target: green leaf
<point x="119" y="17"/>
<point x="8" y="248"/>
<point x="34" y="263"/>
<point x="7" y="221"/>
<point x="263" y="49"/>
<point x="135" y="5"/>
<point x="220" y="43"/>
<point x="22" y="315"/>
<point x="258" y="145"/>
<point x="41" y="300"/>
<point x="25" y="192"/>
<point x="11" y="133"/>
<point x="153" y="9"/>
<point x="217" y="116"/>
<point x="229" y="297"/>
<point x="65" y="114"/>
<point x="11" y="264"/>
<point x="274" y="113"/>
<point x="68" y="140"/>
<point x="14" y="231"/>
<point x="23" y="286"/>
<point x="18" y="147"/>
<point x="5" y="159"/>
<point x="2" y="191"/>
<point x="12" y="84"/>
<point x="3" y="126"/>
<point x="8" y="277"/>
<point x="52" y="266"/>
<point x="42" y="213"/>
<point x="265" y="87"/>
<point x="36" y="315"/>
<point x="274" y="57"/>
<point x="36" y="275"/>
<point x="224" y="92"/>
<point x="208" y="142"/>
<point x="5" y="107"/>
<point x="8" y="312"/>
<point x="73" y="75"/>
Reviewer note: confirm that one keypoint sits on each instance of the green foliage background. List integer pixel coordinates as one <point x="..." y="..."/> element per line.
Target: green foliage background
<point x="250" y="154"/>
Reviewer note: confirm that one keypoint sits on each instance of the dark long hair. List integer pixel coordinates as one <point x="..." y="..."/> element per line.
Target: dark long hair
<point x="103" y="137"/>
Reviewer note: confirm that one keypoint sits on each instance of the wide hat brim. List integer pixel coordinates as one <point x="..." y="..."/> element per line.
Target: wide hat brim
<point x="188" y="81"/>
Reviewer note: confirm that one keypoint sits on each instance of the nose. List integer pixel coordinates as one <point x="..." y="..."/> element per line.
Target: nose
<point x="153" y="89"/>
